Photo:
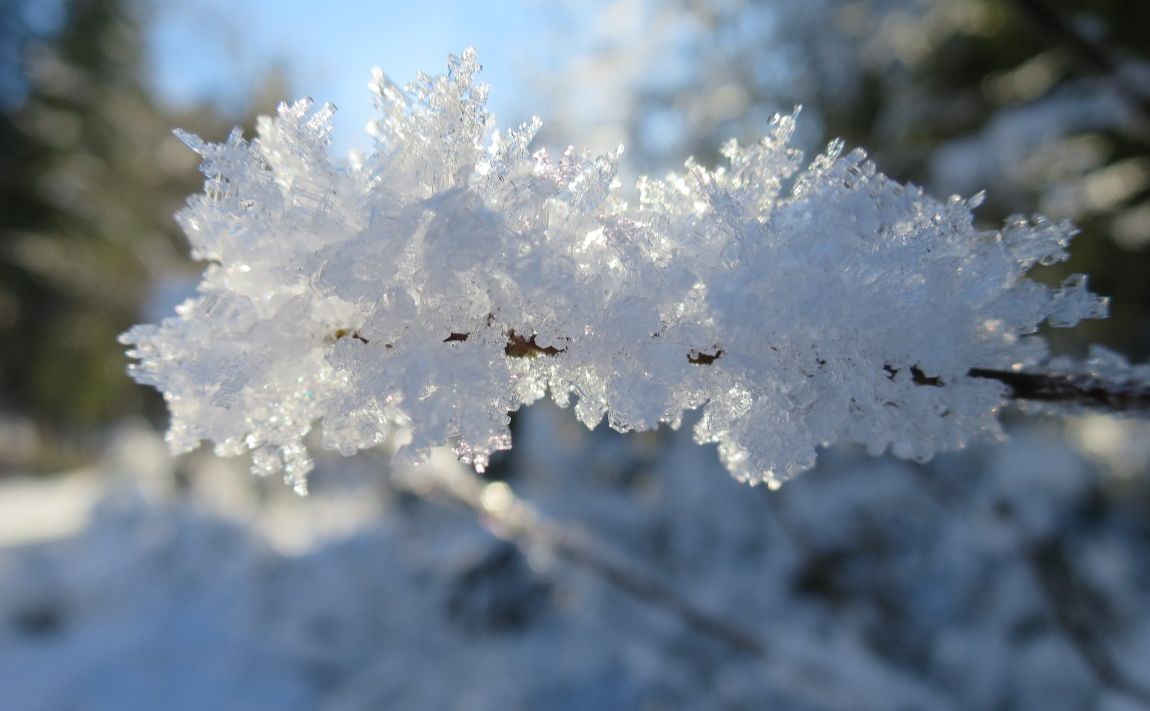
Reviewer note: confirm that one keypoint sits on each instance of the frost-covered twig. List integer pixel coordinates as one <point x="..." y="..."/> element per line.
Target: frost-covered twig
<point x="1105" y="382"/>
<point x="1074" y="390"/>
<point x="454" y="276"/>
<point x="510" y="517"/>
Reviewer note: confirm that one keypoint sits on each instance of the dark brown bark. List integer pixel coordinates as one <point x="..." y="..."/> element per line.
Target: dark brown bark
<point x="1119" y="396"/>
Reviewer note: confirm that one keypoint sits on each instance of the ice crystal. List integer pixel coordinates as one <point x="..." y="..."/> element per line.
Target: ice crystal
<point x="454" y="276"/>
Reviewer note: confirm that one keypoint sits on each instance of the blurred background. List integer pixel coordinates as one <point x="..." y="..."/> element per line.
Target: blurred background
<point x="1010" y="576"/>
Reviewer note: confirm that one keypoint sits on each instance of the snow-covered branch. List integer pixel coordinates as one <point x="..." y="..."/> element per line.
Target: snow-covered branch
<point x="454" y="276"/>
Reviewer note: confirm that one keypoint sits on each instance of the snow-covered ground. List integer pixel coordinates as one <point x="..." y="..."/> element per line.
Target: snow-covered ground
<point x="1010" y="576"/>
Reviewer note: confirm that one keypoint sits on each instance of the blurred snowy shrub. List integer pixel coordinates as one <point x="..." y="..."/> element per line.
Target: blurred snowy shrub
<point x="874" y="584"/>
<point x="453" y="276"/>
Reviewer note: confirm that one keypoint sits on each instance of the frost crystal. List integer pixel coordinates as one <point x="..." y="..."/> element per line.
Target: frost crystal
<point x="453" y="276"/>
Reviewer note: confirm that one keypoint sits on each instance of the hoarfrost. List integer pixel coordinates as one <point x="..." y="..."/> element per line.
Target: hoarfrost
<point x="454" y="276"/>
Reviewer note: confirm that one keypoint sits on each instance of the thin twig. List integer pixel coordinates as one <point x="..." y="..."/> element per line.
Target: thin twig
<point x="1126" y="397"/>
<point x="1060" y="596"/>
<point x="511" y="518"/>
<point x="1095" y="55"/>
<point x="1131" y="397"/>
<point x="1077" y="622"/>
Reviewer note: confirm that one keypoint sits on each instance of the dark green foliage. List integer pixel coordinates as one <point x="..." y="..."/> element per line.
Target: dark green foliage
<point x="89" y="180"/>
<point x="972" y="78"/>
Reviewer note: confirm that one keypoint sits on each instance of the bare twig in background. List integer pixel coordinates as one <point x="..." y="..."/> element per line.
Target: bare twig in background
<point x="509" y="517"/>
<point x="1069" y="603"/>
<point x="1075" y="614"/>
<point x="1099" y="58"/>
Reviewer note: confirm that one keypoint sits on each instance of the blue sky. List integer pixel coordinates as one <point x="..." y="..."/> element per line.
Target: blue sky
<point x="219" y="49"/>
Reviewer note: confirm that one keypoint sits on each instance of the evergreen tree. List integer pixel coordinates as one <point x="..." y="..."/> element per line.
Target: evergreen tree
<point x="91" y="177"/>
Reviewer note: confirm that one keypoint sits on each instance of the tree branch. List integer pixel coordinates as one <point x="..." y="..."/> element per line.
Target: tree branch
<point x="509" y="517"/>
<point x="1131" y="397"/>
<point x="1072" y="611"/>
<point x="1095" y="55"/>
<point x="1066" y="598"/>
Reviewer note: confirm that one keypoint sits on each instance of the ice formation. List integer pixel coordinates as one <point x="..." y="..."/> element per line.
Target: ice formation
<point x="454" y="276"/>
